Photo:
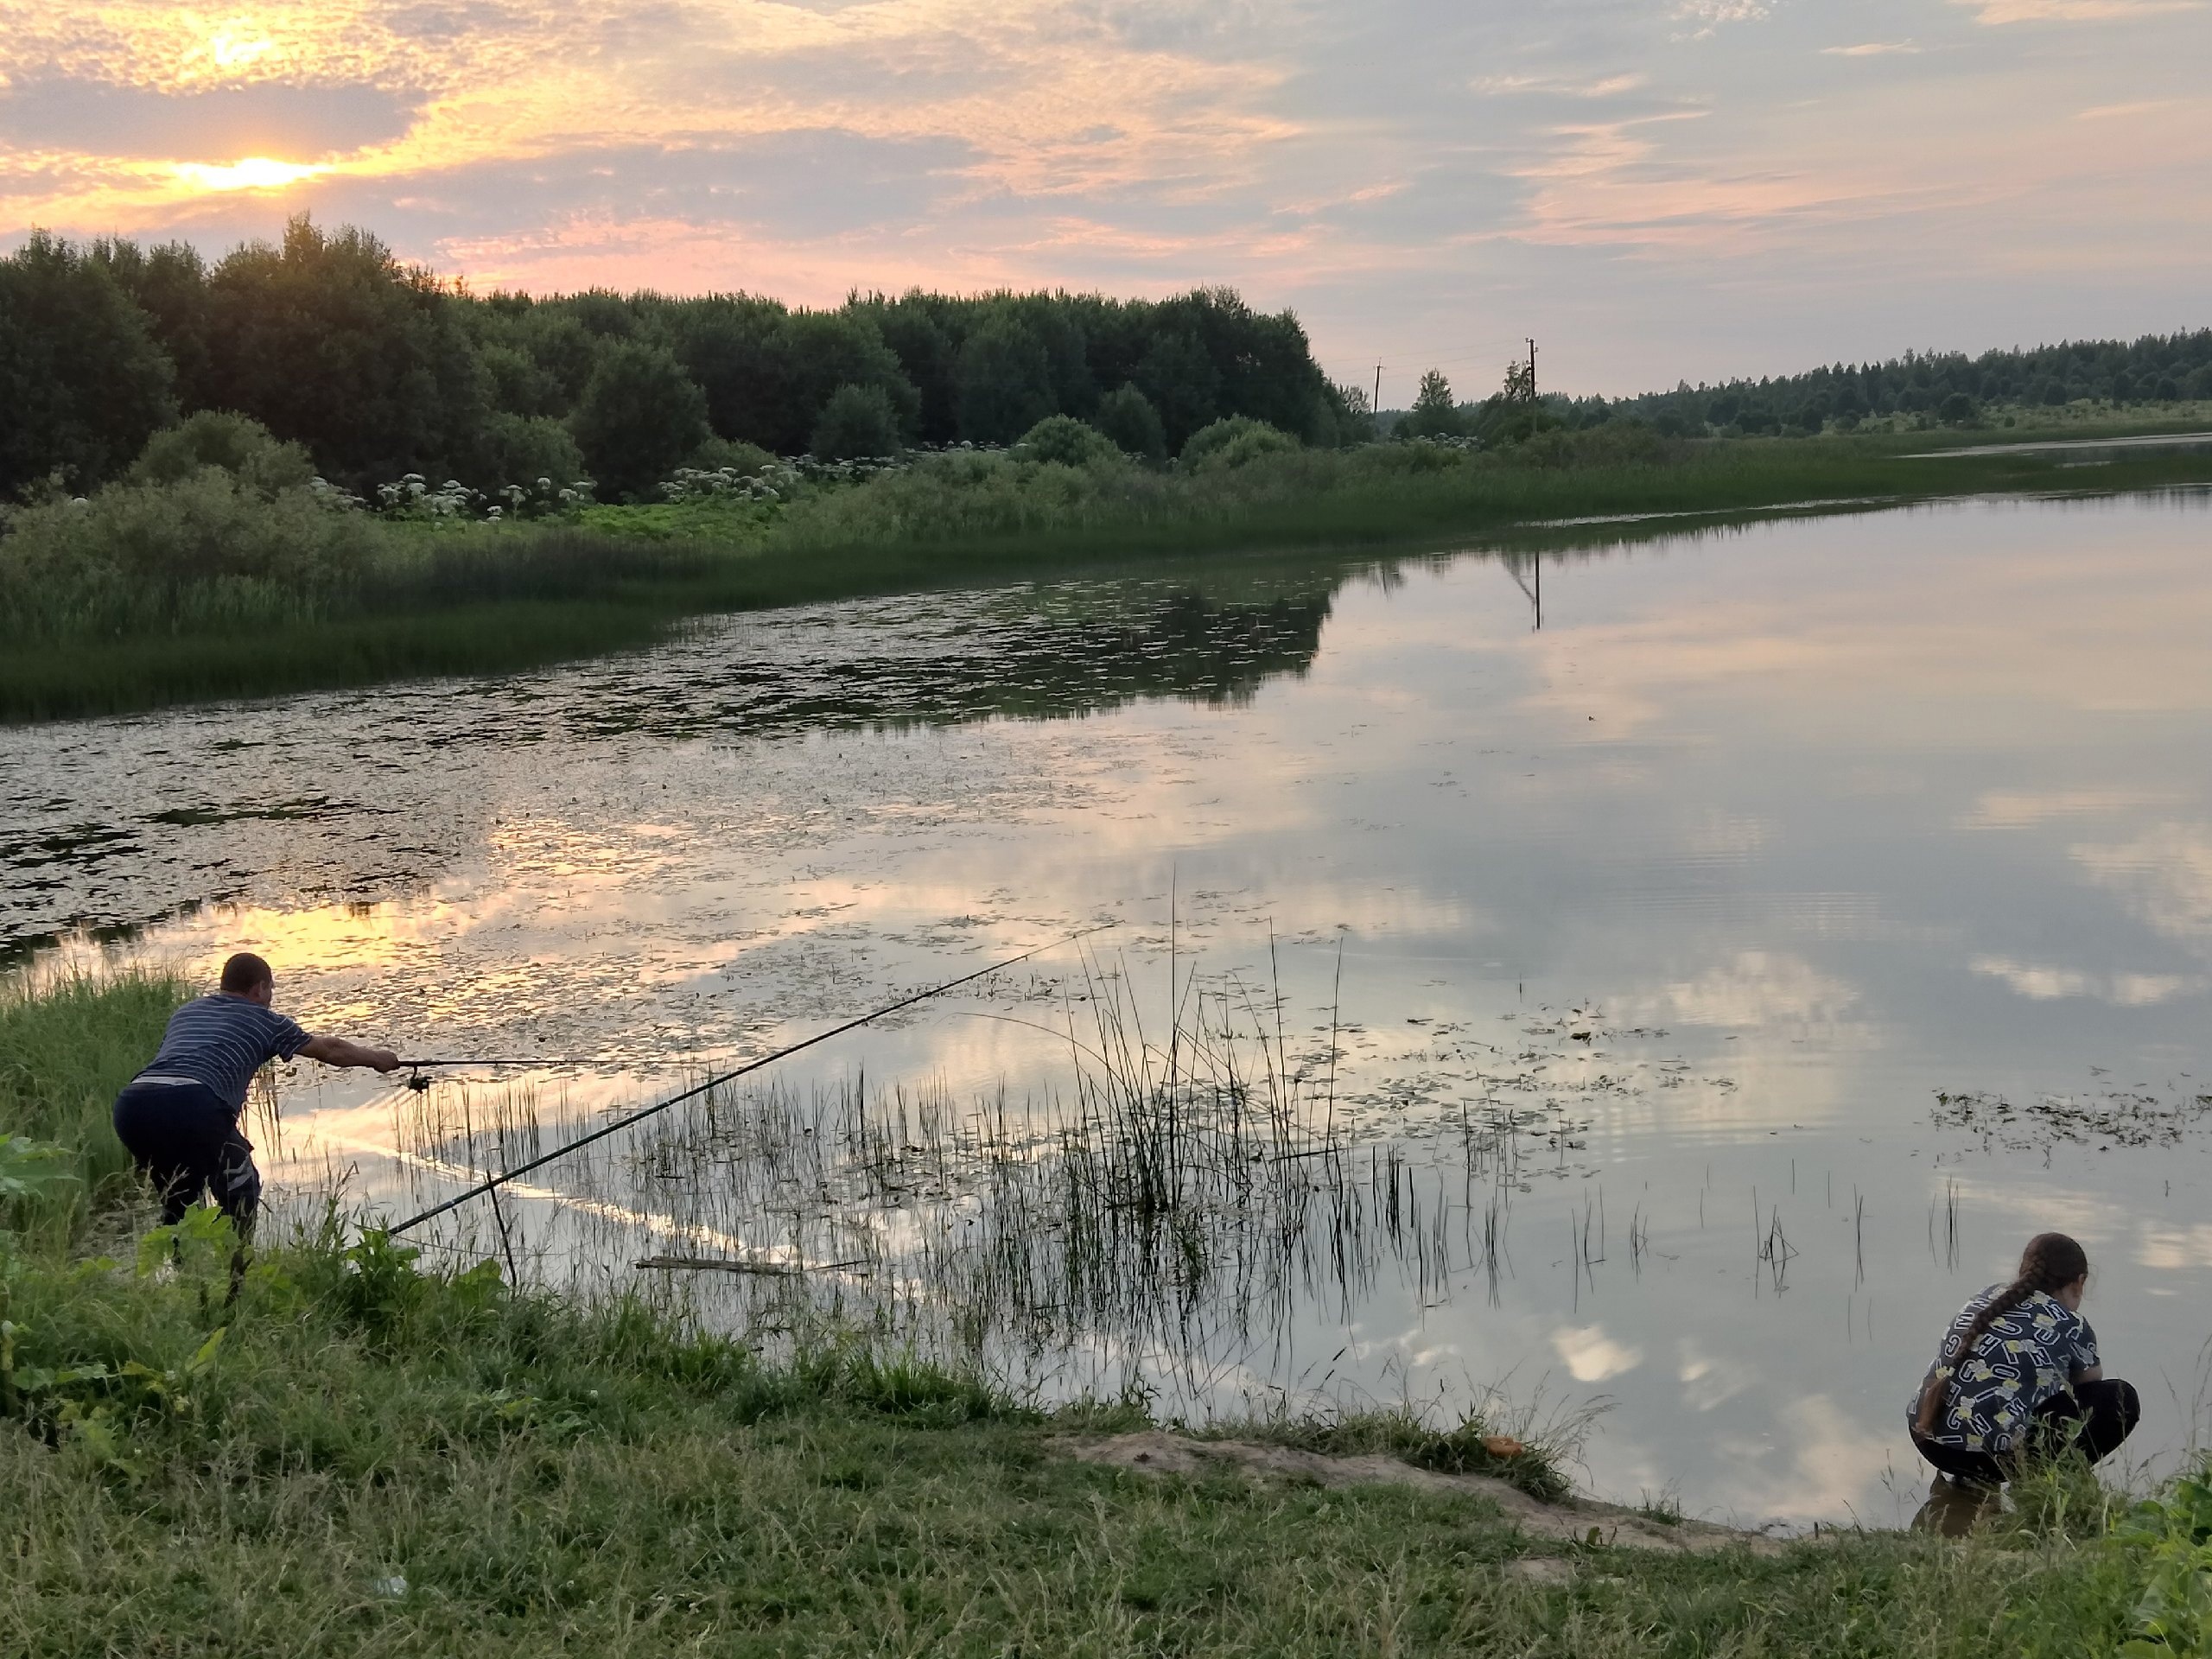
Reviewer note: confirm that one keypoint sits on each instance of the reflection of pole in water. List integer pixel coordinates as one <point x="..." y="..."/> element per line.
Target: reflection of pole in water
<point x="1536" y="594"/>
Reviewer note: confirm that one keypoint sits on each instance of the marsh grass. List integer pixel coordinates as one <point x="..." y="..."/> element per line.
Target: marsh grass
<point x="412" y="600"/>
<point x="68" y="1042"/>
<point x="1140" y="1231"/>
<point x="61" y="680"/>
<point x="342" y="1452"/>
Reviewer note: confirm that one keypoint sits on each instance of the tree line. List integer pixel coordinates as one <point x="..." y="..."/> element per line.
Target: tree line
<point x="379" y="370"/>
<point x="1946" y="385"/>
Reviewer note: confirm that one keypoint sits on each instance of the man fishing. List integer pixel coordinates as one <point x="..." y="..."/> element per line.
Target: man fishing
<point x="178" y="1118"/>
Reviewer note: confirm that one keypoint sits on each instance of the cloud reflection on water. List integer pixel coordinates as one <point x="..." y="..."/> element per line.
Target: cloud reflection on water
<point x="1860" y="793"/>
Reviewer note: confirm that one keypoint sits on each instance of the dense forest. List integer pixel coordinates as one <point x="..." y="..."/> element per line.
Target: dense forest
<point x="379" y="371"/>
<point x="1949" y="387"/>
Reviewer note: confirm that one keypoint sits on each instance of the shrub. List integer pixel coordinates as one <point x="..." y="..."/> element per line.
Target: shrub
<point x="964" y="496"/>
<point x="1957" y="410"/>
<point x="1064" y="439"/>
<point x="1127" y="417"/>
<point x="728" y="456"/>
<point x="1435" y="412"/>
<point x="522" y="449"/>
<point x="1236" y="441"/>
<point x="857" y="422"/>
<point x="1617" y="443"/>
<point x="641" y="414"/>
<point x="238" y="444"/>
<point x="127" y="559"/>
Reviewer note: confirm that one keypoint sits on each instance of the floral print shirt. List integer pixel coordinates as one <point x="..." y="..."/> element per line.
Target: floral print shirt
<point x="2023" y="1359"/>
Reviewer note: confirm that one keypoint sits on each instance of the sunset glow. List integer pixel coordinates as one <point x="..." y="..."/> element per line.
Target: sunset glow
<point x="254" y="173"/>
<point x="1699" y="186"/>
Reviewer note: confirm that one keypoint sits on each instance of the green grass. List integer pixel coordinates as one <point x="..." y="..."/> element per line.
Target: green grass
<point x="497" y="599"/>
<point x="549" y="1480"/>
<point x="340" y="1453"/>
<point x="67" y="1044"/>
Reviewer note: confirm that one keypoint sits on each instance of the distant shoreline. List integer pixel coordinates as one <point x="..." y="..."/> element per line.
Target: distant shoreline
<point x="530" y="596"/>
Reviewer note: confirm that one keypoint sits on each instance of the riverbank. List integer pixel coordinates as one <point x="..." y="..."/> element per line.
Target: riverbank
<point x="341" y="1453"/>
<point x="415" y="600"/>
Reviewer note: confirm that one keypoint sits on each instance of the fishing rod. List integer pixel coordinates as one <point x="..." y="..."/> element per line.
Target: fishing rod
<point x="421" y="1084"/>
<point x="533" y="1059"/>
<point x="643" y="1112"/>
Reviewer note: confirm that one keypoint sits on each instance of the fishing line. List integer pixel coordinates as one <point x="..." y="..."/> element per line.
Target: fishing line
<point x="534" y="1059"/>
<point x="421" y="1084"/>
<point x="643" y="1112"/>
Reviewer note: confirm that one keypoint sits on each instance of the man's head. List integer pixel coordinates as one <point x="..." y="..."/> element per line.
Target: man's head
<point x="247" y="976"/>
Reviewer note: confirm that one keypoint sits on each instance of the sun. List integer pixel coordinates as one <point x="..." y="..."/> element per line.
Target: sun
<point x="234" y="51"/>
<point x="252" y="173"/>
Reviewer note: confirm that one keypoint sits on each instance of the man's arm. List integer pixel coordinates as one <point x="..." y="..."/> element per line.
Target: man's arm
<point x="336" y="1051"/>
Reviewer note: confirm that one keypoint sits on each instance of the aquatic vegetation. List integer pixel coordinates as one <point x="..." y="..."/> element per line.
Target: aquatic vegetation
<point x="137" y="598"/>
<point x="2113" y="1118"/>
<point x="350" y="1439"/>
<point x="1145" y="1228"/>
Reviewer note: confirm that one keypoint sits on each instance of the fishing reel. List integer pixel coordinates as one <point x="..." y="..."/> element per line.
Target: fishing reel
<point x="418" y="1082"/>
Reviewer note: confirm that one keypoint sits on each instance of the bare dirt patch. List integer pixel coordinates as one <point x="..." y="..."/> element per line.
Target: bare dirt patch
<point x="1574" y="1520"/>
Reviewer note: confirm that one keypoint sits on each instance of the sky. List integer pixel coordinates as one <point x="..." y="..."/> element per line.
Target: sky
<point x="1654" y="189"/>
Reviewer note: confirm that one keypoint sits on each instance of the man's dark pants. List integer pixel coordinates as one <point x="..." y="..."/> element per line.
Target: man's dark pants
<point x="186" y="1141"/>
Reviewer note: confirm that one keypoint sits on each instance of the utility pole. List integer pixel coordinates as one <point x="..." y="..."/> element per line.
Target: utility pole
<point x="1375" y="408"/>
<point x="1532" y="370"/>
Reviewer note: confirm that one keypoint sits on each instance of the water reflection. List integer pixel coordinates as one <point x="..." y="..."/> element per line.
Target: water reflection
<point x="1806" y="824"/>
<point x="142" y="819"/>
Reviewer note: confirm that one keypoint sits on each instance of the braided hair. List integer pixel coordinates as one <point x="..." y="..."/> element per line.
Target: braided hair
<point x="2050" y="1262"/>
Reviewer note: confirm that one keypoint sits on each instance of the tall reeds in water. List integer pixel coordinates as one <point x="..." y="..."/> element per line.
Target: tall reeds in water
<point x="1156" y="1220"/>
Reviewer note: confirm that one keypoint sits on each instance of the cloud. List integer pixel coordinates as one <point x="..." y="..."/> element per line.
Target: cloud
<point x="2109" y="111"/>
<point x="251" y="172"/>
<point x="1707" y="1382"/>
<point x="2072" y="11"/>
<point x="2021" y="809"/>
<point x="1560" y="86"/>
<point x="216" y="125"/>
<point x="1396" y="177"/>
<point x="2041" y="983"/>
<point x="2162" y="876"/>
<point x="1591" y="1356"/>
<point x="1710" y="16"/>
<point x="1608" y="183"/>
<point x="1834" y="1461"/>
<point x="1025" y="85"/>
<point x="1873" y="49"/>
<point x="1760" y="988"/>
<point x="2176" y="1248"/>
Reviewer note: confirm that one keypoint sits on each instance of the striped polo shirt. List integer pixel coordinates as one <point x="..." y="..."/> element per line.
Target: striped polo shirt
<point x="220" y="1041"/>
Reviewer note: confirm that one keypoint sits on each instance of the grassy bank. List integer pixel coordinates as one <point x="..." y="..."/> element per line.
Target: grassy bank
<point x="342" y="1453"/>
<point x="66" y="1044"/>
<point x="94" y="632"/>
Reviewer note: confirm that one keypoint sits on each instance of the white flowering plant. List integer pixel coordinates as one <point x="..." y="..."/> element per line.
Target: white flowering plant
<point x="413" y="496"/>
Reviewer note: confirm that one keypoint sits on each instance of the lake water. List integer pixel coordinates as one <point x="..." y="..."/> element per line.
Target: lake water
<point x="1645" y="942"/>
